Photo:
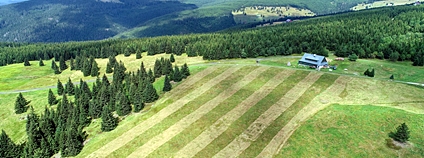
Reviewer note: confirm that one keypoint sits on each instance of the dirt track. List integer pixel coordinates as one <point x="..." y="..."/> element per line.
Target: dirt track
<point x="225" y="121"/>
<point x="178" y="127"/>
<point x="331" y="95"/>
<point x="243" y="141"/>
<point x="155" y="119"/>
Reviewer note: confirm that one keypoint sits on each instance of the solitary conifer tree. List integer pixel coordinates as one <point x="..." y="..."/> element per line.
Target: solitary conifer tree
<point x="109" y="122"/>
<point x="52" y="98"/>
<point x="21" y="104"/>
<point x="392" y="77"/>
<point x="185" y="72"/>
<point x="60" y="88"/>
<point x="26" y="62"/>
<point x="172" y="59"/>
<point x="167" y="85"/>
<point x="41" y="63"/>
<point x="372" y="73"/>
<point x="401" y="134"/>
<point x="55" y="68"/>
<point x="367" y="72"/>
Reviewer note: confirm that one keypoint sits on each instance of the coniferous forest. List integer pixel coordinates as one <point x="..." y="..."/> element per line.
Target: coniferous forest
<point x="394" y="33"/>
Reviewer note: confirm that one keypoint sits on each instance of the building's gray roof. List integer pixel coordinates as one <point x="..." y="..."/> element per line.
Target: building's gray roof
<point x="312" y="59"/>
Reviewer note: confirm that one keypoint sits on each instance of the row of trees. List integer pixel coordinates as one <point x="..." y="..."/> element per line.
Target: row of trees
<point x="60" y="129"/>
<point x="393" y="33"/>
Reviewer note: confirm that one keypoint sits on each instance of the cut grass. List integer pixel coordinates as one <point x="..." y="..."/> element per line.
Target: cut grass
<point x="181" y="113"/>
<point x="133" y="120"/>
<point x="244" y="121"/>
<point x="320" y="85"/>
<point x="180" y="140"/>
<point x="354" y="131"/>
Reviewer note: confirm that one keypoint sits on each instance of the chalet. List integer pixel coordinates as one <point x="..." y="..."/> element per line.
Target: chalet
<point x="313" y="60"/>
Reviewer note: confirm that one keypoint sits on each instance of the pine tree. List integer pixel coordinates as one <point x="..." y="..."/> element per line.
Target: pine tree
<point x="94" y="69"/>
<point x="109" y="122"/>
<point x="138" y="55"/>
<point x="60" y="89"/>
<point x="177" y="74"/>
<point x="372" y="73"/>
<point x="123" y="106"/>
<point x="167" y="85"/>
<point x="172" y="59"/>
<point x="392" y="77"/>
<point x="72" y="64"/>
<point x="109" y="68"/>
<point x="367" y="72"/>
<point x="149" y="92"/>
<point x="21" y="104"/>
<point x="401" y="134"/>
<point x="69" y="87"/>
<point x="55" y="68"/>
<point x="138" y="102"/>
<point x="41" y="63"/>
<point x="7" y="147"/>
<point x="62" y="63"/>
<point x="157" y="69"/>
<point x="185" y="72"/>
<point x="52" y="98"/>
<point x="26" y="62"/>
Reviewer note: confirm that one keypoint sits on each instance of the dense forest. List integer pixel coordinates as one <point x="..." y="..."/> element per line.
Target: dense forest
<point x="393" y="33"/>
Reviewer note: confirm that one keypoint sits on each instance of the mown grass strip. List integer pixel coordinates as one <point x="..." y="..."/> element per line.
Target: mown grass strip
<point x="100" y="141"/>
<point x="244" y="121"/>
<point x="318" y="87"/>
<point x="175" y="144"/>
<point x="244" y="140"/>
<point x="185" y="122"/>
<point x="181" y="108"/>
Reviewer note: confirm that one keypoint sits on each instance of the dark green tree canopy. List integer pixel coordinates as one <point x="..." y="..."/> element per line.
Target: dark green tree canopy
<point x="401" y="134"/>
<point x="21" y="104"/>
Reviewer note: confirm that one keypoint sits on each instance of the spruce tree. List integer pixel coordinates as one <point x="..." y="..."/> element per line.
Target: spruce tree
<point x="123" y="105"/>
<point x="109" y="122"/>
<point x="33" y="132"/>
<point x="69" y="87"/>
<point x="157" y="69"/>
<point x="138" y="102"/>
<point x="151" y="76"/>
<point x="177" y="74"/>
<point x="52" y="98"/>
<point x="172" y="59"/>
<point x="392" y="77"/>
<point x="167" y="67"/>
<point x="112" y="61"/>
<point x="74" y="141"/>
<point x="367" y="72"/>
<point x="60" y="89"/>
<point x="55" y="68"/>
<point x="86" y="68"/>
<point x="149" y="92"/>
<point x="109" y="68"/>
<point x="7" y="147"/>
<point x="138" y="55"/>
<point x="94" y="69"/>
<point x="62" y="63"/>
<point x="41" y="63"/>
<point x="21" y="104"/>
<point x="167" y="85"/>
<point x="26" y="62"/>
<point x="372" y="73"/>
<point x="185" y="72"/>
<point x="72" y="64"/>
<point x="401" y="134"/>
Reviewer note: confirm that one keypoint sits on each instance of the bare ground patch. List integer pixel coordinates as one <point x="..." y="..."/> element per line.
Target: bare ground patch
<point x="331" y="95"/>
<point x="150" y="122"/>
<point x="225" y="121"/>
<point x="243" y="141"/>
<point x="175" y="129"/>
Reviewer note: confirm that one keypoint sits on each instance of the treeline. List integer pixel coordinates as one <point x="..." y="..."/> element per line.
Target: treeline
<point x="60" y="127"/>
<point x="393" y="33"/>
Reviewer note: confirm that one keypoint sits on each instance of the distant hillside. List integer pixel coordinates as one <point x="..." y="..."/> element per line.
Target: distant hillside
<point x="80" y="20"/>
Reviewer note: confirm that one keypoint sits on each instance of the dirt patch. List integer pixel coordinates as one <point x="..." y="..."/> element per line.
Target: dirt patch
<point x="243" y="141"/>
<point x="331" y="94"/>
<point x="178" y="127"/>
<point x="221" y="125"/>
<point x="155" y="119"/>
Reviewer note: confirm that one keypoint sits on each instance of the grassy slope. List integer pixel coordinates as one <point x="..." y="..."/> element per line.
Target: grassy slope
<point x="354" y="131"/>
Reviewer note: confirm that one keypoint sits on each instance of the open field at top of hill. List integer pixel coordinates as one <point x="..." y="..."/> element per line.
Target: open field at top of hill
<point x="386" y="3"/>
<point x="265" y="13"/>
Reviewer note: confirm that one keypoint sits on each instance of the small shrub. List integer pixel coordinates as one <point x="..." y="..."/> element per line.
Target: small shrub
<point x="353" y="57"/>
